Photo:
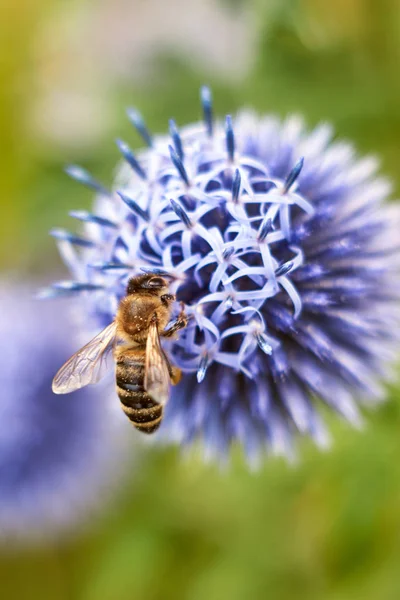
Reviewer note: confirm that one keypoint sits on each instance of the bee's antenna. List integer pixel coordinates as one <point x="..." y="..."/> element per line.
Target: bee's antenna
<point x="156" y="271"/>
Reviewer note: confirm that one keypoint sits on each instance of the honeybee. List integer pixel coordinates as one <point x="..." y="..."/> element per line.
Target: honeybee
<point x="143" y="370"/>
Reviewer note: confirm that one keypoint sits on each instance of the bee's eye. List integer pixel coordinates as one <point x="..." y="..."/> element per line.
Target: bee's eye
<point x="156" y="282"/>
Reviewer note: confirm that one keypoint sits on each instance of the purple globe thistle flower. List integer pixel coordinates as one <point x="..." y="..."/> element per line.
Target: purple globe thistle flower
<point x="283" y="248"/>
<point x="59" y="460"/>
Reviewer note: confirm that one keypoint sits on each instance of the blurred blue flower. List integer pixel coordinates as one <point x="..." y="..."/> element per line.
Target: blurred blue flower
<point x="59" y="460"/>
<point x="282" y="246"/>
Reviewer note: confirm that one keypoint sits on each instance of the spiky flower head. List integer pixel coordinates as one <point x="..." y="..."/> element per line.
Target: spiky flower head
<point x="60" y="461"/>
<point x="283" y="248"/>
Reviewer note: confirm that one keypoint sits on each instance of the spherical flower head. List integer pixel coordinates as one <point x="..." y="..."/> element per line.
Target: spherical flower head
<point x="282" y="247"/>
<point x="60" y="458"/>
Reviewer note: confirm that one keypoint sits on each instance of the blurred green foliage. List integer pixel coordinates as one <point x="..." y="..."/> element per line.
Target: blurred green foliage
<point x="325" y="529"/>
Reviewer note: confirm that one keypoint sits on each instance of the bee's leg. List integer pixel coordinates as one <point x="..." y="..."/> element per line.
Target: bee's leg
<point x="180" y="322"/>
<point x="176" y="375"/>
<point x="174" y="372"/>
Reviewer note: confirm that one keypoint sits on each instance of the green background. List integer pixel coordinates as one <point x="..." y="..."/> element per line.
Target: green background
<point x="327" y="528"/>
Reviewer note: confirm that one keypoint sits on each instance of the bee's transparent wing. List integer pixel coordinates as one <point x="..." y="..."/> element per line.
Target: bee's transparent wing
<point x="88" y="365"/>
<point x="156" y="377"/>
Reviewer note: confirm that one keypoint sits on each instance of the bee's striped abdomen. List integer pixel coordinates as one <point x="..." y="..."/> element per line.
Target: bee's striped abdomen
<point x="139" y="407"/>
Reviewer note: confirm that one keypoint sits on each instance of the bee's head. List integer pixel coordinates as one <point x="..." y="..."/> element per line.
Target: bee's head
<point x="148" y="283"/>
